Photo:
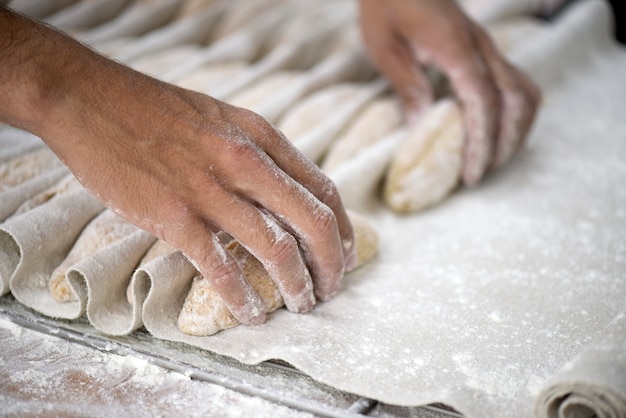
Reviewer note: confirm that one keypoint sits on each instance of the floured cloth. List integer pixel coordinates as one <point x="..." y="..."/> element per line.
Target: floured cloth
<point x="507" y="300"/>
<point x="593" y="382"/>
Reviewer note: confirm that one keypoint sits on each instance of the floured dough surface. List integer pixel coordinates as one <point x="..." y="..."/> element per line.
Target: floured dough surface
<point x="313" y="110"/>
<point x="378" y="118"/>
<point x="205" y="313"/>
<point x="66" y="185"/>
<point x="427" y="166"/>
<point x="101" y="232"/>
<point x="27" y="166"/>
<point x="207" y="78"/>
<point x="159" y="63"/>
<point x="256" y="95"/>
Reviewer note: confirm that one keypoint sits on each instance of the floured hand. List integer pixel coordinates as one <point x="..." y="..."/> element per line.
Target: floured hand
<point x="182" y="166"/>
<point x="498" y="101"/>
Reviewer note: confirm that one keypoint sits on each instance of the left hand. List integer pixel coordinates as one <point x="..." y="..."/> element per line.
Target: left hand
<point x="499" y="101"/>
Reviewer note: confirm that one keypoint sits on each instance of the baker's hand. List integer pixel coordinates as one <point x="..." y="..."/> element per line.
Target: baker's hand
<point x="184" y="166"/>
<point x="499" y="102"/>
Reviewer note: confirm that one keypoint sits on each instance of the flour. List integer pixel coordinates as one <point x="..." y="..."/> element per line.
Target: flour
<point x="43" y="374"/>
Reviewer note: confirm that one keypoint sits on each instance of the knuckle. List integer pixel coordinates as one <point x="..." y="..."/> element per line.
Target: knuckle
<point x="329" y="194"/>
<point x="283" y="249"/>
<point x="324" y="220"/>
<point x="224" y="275"/>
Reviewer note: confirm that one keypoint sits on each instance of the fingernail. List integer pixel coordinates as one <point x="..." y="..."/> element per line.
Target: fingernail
<point x="252" y="313"/>
<point x="303" y="302"/>
<point x="350" y="256"/>
<point x="258" y="320"/>
<point x="329" y="295"/>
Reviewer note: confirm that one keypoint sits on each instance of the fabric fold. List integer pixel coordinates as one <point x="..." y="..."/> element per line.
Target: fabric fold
<point x="593" y="384"/>
<point x="103" y="279"/>
<point x="33" y="244"/>
<point x="167" y="280"/>
<point x="15" y="196"/>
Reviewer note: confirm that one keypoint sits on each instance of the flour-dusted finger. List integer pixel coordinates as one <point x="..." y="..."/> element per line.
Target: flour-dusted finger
<point x="277" y="249"/>
<point x="203" y="249"/>
<point x="205" y="313"/>
<point x="304" y="202"/>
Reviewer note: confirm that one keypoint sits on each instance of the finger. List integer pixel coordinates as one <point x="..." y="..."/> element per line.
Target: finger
<point x="474" y="86"/>
<point x="393" y="56"/>
<point x="305" y="172"/>
<point x="520" y="100"/>
<point x="275" y="248"/>
<point x="204" y="250"/>
<point x="274" y="185"/>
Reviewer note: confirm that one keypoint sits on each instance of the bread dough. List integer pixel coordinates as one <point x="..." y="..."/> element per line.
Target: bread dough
<point x="313" y="110"/>
<point x="379" y="117"/>
<point x="27" y="166"/>
<point x="205" y="313"/>
<point x="427" y="166"/>
<point x="159" y="63"/>
<point x="66" y="185"/>
<point x="259" y="97"/>
<point x="206" y="78"/>
<point x="101" y="232"/>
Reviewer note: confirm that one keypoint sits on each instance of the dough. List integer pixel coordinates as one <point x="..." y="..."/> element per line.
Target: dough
<point x="205" y="313"/>
<point x="205" y="79"/>
<point x="66" y="185"/>
<point x="101" y="232"/>
<point x="313" y="110"/>
<point x="27" y="166"/>
<point x="427" y="166"/>
<point x="259" y="96"/>
<point x="379" y="118"/>
<point x="159" y="63"/>
<point x="239" y="16"/>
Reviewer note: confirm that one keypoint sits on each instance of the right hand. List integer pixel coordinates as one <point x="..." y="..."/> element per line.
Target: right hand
<point x="184" y="166"/>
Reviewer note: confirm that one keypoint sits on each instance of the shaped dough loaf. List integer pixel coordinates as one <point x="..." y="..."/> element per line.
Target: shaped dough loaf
<point x="427" y="166"/>
<point x="205" y="313"/>
<point x="379" y="118"/>
<point x="102" y="231"/>
<point x="66" y="185"/>
<point x="27" y="166"/>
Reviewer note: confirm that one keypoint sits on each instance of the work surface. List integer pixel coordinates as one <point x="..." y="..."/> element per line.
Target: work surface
<point x="494" y="302"/>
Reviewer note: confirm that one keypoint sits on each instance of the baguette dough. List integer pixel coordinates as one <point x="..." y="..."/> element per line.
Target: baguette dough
<point x="427" y="166"/>
<point x="66" y="185"/>
<point x="205" y="313"/>
<point x="378" y="119"/>
<point x="102" y="231"/>
<point x="27" y="166"/>
<point x="208" y="77"/>
<point x="313" y="110"/>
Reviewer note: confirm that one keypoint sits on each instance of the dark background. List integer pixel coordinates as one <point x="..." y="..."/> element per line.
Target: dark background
<point x="618" y="12"/>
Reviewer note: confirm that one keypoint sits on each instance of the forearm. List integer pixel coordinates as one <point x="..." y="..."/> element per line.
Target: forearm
<point x="76" y="100"/>
<point x="33" y="59"/>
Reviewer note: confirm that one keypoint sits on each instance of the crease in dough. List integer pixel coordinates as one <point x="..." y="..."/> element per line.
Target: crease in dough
<point x="205" y="313"/>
